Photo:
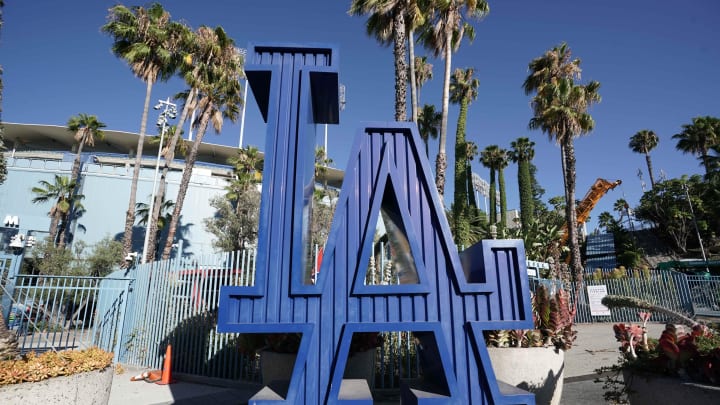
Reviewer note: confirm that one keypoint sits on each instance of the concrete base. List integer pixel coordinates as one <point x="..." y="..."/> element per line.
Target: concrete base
<point x="535" y="369"/>
<point x="80" y="389"/>
<point x="657" y="389"/>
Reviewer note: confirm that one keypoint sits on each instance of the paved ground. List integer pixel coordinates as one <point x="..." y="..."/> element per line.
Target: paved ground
<point x="594" y="347"/>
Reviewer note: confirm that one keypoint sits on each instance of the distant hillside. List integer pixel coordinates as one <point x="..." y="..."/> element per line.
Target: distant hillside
<point x="656" y="251"/>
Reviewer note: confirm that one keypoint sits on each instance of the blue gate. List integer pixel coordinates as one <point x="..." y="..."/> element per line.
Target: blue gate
<point x="67" y="312"/>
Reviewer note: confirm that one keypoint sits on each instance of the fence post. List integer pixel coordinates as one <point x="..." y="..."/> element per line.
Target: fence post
<point x="9" y="288"/>
<point x="683" y="291"/>
<point x="119" y="327"/>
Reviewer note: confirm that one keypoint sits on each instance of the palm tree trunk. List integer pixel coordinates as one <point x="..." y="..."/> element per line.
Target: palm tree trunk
<point x="8" y="341"/>
<point x="492" y="197"/>
<point x="460" y="194"/>
<point x="650" y="171"/>
<point x="413" y="74"/>
<point x="503" y="199"/>
<point x="570" y="211"/>
<point x="441" y="162"/>
<point x="169" y="156"/>
<point x="130" y="214"/>
<point x="527" y="209"/>
<point x="75" y="176"/>
<point x="61" y="231"/>
<point x="52" y="231"/>
<point x="185" y="181"/>
<point x="706" y="162"/>
<point x="400" y="70"/>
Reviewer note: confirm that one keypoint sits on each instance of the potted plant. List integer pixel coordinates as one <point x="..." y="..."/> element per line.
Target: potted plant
<point x="681" y="366"/>
<point x="277" y="353"/>
<point x="539" y="370"/>
<point x="64" y="377"/>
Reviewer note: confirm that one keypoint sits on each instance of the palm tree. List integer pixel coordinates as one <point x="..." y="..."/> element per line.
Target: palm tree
<point x="605" y="220"/>
<point x="416" y="15"/>
<point x="219" y="97"/>
<point x="698" y="138"/>
<point x="147" y="40"/>
<point x="322" y="162"/>
<point x="77" y="209"/>
<point x="502" y="161"/>
<point x="471" y="152"/>
<point x="489" y="158"/>
<point x="3" y="168"/>
<point x="422" y="73"/>
<point x="61" y="191"/>
<point x="447" y="25"/>
<point x="463" y="91"/>
<point x="87" y="129"/>
<point x="523" y="153"/>
<point x="428" y="125"/>
<point x="560" y="109"/>
<point x="621" y="207"/>
<point x="643" y="142"/>
<point x="8" y="340"/>
<point x="142" y="213"/>
<point x="247" y="168"/>
<point x="386" y="22"/>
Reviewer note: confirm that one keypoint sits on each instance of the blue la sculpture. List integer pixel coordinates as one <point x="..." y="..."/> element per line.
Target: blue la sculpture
<point x="446" y="301"/>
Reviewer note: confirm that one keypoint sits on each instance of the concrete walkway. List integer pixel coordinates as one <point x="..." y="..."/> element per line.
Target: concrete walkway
<point x="595" y="347"/>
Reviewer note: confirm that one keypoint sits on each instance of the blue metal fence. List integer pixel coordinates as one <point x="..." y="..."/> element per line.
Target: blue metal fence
<point x="68" y="312"/>
<point x="175" y="302"/>
<point x="663" y="288"/>
<point x="705" y="295"/>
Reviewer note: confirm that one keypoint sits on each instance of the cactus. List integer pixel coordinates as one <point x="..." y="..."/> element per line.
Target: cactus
<point x="553" y="321"/>
<point x="622" y="301"/>
<point x="554" y="317"/>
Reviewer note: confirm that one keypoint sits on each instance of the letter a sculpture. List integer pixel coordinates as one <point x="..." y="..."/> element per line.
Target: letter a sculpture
<point x="444" y="300"/>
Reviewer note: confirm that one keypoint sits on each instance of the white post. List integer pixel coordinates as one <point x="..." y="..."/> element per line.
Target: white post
<point x="325" y="145"/>
<point x="192" y="119"/>
<point x="242" y="116"/>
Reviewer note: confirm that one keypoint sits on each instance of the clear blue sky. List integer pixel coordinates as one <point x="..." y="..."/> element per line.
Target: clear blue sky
<point x="657" y="62"/>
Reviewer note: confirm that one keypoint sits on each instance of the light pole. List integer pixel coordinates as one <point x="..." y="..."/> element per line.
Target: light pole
<point x="243" y="52"/>
<point x="169" y="112"/>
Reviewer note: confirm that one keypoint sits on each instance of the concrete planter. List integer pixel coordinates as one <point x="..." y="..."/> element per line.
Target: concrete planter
<point x="645" y="388"/>
<point x="88" y="388"/>
<point x="535" y="369"/>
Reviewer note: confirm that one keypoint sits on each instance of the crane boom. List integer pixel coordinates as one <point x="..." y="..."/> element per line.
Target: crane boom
<point x="596" y="192"/>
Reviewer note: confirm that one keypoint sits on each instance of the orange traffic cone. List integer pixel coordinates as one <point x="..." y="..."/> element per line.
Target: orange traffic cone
<point x="167" y="368"/>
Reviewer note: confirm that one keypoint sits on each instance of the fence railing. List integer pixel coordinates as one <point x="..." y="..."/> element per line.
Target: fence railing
<point x="68" y="312"/>
<point x="176" y="301"/>
<point x="705" y="295"/>
<point x="663" y="288"/>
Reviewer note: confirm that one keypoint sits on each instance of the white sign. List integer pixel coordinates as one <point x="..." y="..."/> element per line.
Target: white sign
<point x="595" y="296"/>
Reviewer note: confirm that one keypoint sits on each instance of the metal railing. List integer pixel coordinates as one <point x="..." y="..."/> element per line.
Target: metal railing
<point x="705" y="295"/>
<point x="176" y="301"/>
<point x="67" y="312"/>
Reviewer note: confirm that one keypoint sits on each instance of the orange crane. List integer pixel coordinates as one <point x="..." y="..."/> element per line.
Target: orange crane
<point x="596" y="192"/>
